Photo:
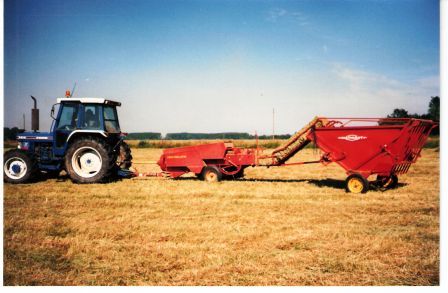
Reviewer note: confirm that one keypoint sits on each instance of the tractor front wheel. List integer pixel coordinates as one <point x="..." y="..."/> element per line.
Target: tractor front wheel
<point x="88" y="160"/>
<point x="356" y="183"/>
<point x="18" y="167"/>
<point x="211" y="174"/>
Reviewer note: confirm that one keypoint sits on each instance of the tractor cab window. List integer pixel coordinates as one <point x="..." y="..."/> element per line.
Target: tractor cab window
<point x="111" y="119"/>
<point x="91" y="117"/>
<point x="69" y="117"/>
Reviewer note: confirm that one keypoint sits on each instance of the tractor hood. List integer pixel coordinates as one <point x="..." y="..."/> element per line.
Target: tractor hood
<point x="35" y="136"/>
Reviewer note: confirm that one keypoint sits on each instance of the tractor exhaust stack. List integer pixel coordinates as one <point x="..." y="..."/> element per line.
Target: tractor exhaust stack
<point x="34" y="116"/>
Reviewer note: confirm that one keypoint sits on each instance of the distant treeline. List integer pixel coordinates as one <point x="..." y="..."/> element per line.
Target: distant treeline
<point x="144" y="135"/>
<point x="433" y="113"/>
<point x="222" y="135"/>
<point x="11" y="133"/>
<point x="189" y="136"/>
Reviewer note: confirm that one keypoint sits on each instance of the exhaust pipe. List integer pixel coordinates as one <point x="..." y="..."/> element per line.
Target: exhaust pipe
<point x="34" y="116"/>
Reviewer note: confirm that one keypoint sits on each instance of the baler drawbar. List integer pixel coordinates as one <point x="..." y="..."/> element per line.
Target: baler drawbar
<point x="385" y="147"/>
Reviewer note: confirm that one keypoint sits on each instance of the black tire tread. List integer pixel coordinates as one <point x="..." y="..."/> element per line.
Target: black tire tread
<point x="124" y="160"/>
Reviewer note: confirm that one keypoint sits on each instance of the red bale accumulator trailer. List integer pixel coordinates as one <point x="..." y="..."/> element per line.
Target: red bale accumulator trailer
<point x="385" y="147"/>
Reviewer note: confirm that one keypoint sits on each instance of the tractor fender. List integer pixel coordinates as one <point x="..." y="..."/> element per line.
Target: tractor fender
<point x="90" y="132"/>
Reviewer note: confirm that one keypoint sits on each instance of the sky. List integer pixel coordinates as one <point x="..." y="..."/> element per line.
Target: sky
<point x="221" y="66"/>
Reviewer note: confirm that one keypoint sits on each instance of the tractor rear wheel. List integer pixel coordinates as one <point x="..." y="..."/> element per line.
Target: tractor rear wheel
<point x="124" y="159"/>
<point x="18" y="167"/>
<point x="89" y="160"/>
<point x="356" y="183"/>
<point x="211" y="174"/>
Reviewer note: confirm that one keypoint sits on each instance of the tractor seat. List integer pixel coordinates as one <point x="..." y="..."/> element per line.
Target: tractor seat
<point x="90" y="120"/>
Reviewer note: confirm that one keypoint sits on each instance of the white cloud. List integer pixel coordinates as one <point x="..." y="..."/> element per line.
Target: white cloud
<point x="429" y="81"/>
<point x="277" y="14"/>
<point x="382" y="92"/>
<point x="301" y="59"/>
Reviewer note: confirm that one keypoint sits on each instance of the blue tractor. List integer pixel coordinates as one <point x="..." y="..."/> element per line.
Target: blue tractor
<point x="85" y="140"/>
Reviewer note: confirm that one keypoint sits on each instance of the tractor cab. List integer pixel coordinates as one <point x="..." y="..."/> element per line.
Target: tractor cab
<point x="84" y="115"/>
<point x="87" y="113"/>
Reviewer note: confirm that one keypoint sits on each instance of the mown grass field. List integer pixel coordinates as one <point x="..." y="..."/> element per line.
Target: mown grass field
<point x="278" y="226"/>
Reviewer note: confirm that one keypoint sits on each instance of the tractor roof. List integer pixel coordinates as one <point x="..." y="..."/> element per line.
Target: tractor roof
<point x="89" y="101"/>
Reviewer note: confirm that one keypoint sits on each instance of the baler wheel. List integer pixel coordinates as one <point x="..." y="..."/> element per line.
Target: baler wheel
<point x="211" y="174"/>
<point x="387" y="182"/>
<point x="355" y="183"/>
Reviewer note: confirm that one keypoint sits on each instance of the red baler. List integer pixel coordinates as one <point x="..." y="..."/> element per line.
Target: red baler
<point x="385" y="147"/>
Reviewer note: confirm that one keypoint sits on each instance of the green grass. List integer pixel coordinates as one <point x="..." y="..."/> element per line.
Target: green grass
<point x="433" y="142"/>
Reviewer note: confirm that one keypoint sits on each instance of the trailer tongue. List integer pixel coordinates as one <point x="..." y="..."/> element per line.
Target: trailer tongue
<point x="362" y="146"/>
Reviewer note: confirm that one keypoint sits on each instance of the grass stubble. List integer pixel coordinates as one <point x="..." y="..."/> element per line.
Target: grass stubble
<point x="278" y="226"/>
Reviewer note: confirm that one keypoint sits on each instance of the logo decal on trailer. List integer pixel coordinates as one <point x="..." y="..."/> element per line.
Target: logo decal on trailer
<point x="177" y="157"/>
<point x="352" y="137"/>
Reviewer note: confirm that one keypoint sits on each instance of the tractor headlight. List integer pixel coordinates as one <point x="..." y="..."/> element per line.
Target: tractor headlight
<point x="23" y="145"/>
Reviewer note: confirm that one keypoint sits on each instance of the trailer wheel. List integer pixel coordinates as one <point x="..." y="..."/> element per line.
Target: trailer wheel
<point x="355" y="183"/>
<point x="18" y="167"/>
<point x="211" y="174"/>
<point x="387" y="182"/>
